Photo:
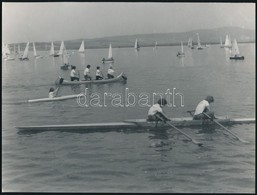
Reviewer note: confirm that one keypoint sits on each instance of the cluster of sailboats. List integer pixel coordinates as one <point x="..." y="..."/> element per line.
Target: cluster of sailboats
<point x="7" y="54"/>
<point x="232" y="46"/>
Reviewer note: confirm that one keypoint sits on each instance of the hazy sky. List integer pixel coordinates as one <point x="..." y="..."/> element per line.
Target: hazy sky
<point x="24" y="22"/>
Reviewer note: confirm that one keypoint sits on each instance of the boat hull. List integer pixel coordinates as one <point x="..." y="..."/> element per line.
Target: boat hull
<point x="107" y="60"/>
<point x="132" y="124"/>
<point x="53" y="99"/>
<point x="237" y="57"/>
<point x="119" y="78"/>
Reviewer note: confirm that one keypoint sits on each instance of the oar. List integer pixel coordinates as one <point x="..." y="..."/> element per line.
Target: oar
<point x="191" y="139"/>
<point x="60" y="83"/>
<point x="238" y="138"/>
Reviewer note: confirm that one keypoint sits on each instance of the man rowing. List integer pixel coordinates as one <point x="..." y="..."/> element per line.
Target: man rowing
<point x="156" y="114"/>
<point x="54" y="92"/>
<point x="110" y="73"/>
<point x="73" y="74"/>
<point x="98" y="74"/>
<point x="87" y="73"/>
<point x="203" y="109"/>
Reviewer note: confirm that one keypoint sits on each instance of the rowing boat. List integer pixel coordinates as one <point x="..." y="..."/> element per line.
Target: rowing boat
<point x="133" y="124"/>
<point x="53" y="99"/>
<point x="119" y="78"/>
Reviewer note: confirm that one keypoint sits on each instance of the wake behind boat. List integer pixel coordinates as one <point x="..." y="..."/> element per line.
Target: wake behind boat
<point x="134" y="124"/>
<point x="119" y="78"/>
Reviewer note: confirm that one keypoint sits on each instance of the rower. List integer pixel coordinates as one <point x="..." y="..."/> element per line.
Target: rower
<point x="110" y="73"/>
<point x="73" y="74"/>
<point x="53" y="92"/>
<point x="99" y="74"/>
<point x="204" y="106"/>
<point x="156" y="114"/>
<point x="87" y="73"/>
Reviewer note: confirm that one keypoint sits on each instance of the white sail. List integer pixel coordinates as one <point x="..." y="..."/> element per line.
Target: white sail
<point x="65" y="57"/>
<point x="34" y="50"/>
<point x="227" y="41"/>
<point x="110" y="51"/>
<point x="182" y="50"/>
<point x="198" y="41"/>
<point x="235" y="49"/>
<point x="26" y="51"/>
<point x="189" y="42"/>
<point x="82" y="47"/>
<point x="14" y="49"/>
<point x="7" y="50"/>
<point x="52" y="49"/>
<point x="4" y="55"/>
<point x="19" y="49"/>
<point x="62" y="47"/>
<point x="136" y="45"/>
<point x="155" y="46"/>
<point x="221" y="44"/>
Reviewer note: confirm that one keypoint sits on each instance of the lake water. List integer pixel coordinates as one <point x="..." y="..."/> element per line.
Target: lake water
<point x="129" y="161"/>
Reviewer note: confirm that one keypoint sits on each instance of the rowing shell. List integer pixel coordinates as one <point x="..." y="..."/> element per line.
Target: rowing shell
<point x="132" y="124"/>
<point x="121" y="77"/>
<point x="53" y="99"/>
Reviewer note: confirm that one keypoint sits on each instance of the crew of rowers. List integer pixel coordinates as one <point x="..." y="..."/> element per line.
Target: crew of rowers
<point x="202" y="111"/>
<point x="74" y="76"/>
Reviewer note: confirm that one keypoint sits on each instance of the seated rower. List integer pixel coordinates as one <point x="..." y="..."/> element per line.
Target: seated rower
<point x="99" y="74"/>
<point x="155" y="113"/>
<point x="87" y="73"/>
<point x="204" y="106"/>
<point x="110" y="73"/>
<point x="73" y="74"/>
<point x="53" y="93"/>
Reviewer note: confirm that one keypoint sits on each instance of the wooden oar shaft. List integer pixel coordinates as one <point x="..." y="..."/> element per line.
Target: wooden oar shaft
<point x="191" y="139"/>
<point x="226" y="129"/>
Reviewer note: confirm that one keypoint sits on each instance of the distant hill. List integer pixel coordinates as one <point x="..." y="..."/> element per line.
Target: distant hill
<point x="207" y="36"/>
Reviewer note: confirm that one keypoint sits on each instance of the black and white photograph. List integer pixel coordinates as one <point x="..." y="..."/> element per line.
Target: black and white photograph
<point x="128" y="97"/>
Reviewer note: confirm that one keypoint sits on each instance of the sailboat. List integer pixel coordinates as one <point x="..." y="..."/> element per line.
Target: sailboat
<point x="25" y="55"/>
<point x="19" y="50"/>
<point x="52" y="53"/>
<point x="228" y="42"/>
<point x="110" y="58"/>
<point x="35" y="52"/>
<point x="62" y="47"/>
<point x="235" y="52"/>
<point x="82" y="47"/>
<point x="155" y="46"/>
<point x="181" y="53"/>
<point x="65" y="61"/>
<point x="198" y="42"/>
<point x="190" y="43"/>
<point x="221" y="44"/>
<point x="136" y="46"/>
<point x="6" y="53"/>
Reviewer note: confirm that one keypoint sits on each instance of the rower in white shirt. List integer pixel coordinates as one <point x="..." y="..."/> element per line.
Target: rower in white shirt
<point x="204" y="106"/>
<point x="156" y="112"/>
<point x="110" y="73"/>
<point x="87" y="73"/>
<point x="99" y="74"/>
<point x="73" y="74"/>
